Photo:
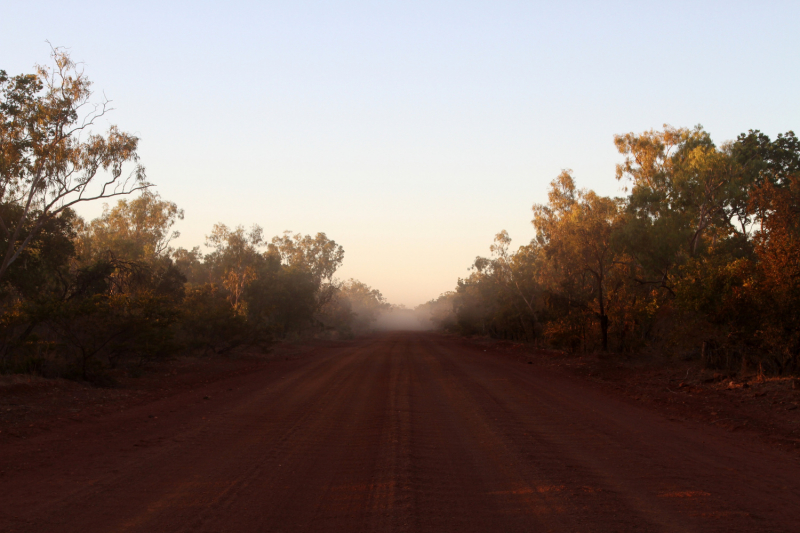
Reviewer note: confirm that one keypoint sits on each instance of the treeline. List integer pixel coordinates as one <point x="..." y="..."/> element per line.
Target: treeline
<point x="700" y="259"/>
<point x="87" y="296"/>
<point x="78" y="297"/>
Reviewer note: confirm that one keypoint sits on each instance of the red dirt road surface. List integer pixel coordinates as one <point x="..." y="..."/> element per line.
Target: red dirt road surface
<point x="396" y="432"/>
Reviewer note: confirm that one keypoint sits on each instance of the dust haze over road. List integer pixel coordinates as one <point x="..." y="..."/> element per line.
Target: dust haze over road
<point x="395" y="432"/>
<point x="402" y="319"/>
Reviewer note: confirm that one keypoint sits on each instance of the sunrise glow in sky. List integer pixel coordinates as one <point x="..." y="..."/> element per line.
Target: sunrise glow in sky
<point x="409" y="132"/>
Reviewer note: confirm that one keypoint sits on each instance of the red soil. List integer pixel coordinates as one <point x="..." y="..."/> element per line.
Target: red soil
<point x="397" y="432"/>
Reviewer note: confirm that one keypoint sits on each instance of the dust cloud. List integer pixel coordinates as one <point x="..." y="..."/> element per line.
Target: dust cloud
<point x="400" y="318"/>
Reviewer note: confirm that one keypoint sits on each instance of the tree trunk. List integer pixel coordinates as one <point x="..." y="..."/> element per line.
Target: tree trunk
<point x="604" y="331"/>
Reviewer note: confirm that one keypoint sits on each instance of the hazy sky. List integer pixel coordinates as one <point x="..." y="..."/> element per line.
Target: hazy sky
<point x="410" y="132"/>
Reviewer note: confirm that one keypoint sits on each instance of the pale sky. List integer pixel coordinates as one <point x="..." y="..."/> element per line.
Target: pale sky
<point x="408" y="131"/>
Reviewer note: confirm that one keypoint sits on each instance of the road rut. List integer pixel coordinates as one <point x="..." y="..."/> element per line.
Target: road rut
<point x="396" y="432"/>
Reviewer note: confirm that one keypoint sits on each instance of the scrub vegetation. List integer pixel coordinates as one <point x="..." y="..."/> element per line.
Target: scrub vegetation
<point x="78" y="297"/>
<point x="701" y="258"/>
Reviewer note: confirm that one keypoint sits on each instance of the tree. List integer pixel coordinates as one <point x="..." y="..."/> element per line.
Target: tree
<point x="44" y="262"/>
<point x="191" y="264"/>
<point x="684" y="186"/>
<point x="210" y="322"/>
<point x="235" y="259"/>
<point x="501" y="294"/>
<point x="50" y="158"/>
<point x="319" y="254"/>
<point x="365" y="303"/>
<point x="438" y="313"/>
<point x="575" y="230"/>
<point x="778" y="249"/>
<point x="282" y="298"/>
<point x="135" y="230"/>
<point x="503" y="265"/>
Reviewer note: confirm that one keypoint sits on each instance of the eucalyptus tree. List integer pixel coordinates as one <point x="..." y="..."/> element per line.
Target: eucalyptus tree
<point x="318" y="255"/>
<point x="140" y="229"/>
<point x="686" y="194"/>
<point x="51" y="158"/>
<point x="575" y="230"/>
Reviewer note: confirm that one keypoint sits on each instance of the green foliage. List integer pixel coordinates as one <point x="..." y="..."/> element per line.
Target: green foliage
<point x="102" y="313"/>
<point x="209" y="322"/>
<point x="41" y="264"/>
<point x="439" y="313"/>
<point x="365" y="303"/>
<point x="78" y="297"/>
<point x="284" y="299"/>
<point x="133" y="230"/>
<point x="319" y="255"/>
<point x="49" y="159"/>
<point x="702" y="257"/>
<point x="575" y="231"/>
<point x="500" y="297"/>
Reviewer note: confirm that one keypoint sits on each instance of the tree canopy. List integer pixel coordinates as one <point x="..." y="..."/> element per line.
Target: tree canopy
<point x="78" y="296"/>
<point x="699" y="258"/>
<point x="51" y="159"/>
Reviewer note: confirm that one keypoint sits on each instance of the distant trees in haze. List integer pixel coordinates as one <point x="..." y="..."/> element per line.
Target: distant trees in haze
<point x="700" y="258"/>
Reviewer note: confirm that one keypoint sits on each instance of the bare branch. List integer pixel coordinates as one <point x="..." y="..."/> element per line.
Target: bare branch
<point x="53" y="168"/>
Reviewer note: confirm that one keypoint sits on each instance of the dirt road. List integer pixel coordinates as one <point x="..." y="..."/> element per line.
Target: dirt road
<point x="398" y="432"/>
